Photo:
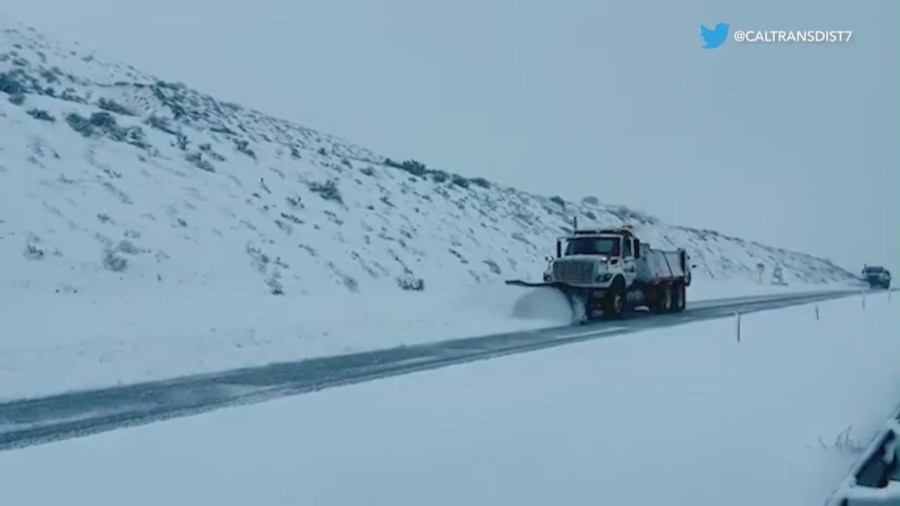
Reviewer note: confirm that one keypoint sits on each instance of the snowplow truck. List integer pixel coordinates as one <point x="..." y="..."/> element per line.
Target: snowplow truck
<point x="611" y="272"/>
<point x="877" y="276"/>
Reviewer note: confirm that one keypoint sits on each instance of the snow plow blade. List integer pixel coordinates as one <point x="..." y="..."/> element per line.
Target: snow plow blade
<point x="518" y="282"/>
<point x="563" y="287"/>
<point x="559" y="285"/>
<point x="576" y="295"/>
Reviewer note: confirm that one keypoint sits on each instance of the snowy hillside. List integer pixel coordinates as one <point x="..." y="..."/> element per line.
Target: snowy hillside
<point x="121" y="177"/>
<point x="138" y="212"/>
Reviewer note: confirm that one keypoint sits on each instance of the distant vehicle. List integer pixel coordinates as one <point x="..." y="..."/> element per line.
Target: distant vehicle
<point x="877" y="276"/>
<point x="612" y="271"/>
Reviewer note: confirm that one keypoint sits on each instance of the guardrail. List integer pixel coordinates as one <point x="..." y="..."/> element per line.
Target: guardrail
<point x="875" y="478"/>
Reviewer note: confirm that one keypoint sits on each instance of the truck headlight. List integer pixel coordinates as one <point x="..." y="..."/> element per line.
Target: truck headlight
<point x="602" y="278"/>
<point x="548" y="277"/>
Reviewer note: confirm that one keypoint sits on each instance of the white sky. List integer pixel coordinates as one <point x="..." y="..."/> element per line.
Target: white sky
<point x="792" y="145"/>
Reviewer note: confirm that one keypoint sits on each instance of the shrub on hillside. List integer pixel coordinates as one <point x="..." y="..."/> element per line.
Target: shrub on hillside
<point x="161" y="123"/>
<point x="127" y="247"/>
<point x="113" y="106"/>
<point x="198" y="161"/>
<point x="133" y="135"/>
<point x="460" y="181"/>
<point x="274" y="283"/>
<point x="41" y="115"/>
<point x="408" y="283"/>
<point x="492" y="265"/>
<point x="80" y="124"/>
<point x="51" y="75"/>
<point x="244" y="147"/>
<point x="350" y="283"/>
<point x="113" y="262"/>
<point x="295" y="202"/>
<point x="480" y="181"/>
<point x="32" y="252"/>
<point x="104" y="122"/>
<point x="327" y="190"/>
<point x="11" y="83"/>
<point x="413" y="167"/>
<point x="439" y="176"/>
<point x="70" y="95"/>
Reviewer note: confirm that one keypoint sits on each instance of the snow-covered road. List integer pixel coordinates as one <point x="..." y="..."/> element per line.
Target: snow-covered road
<point x="35" y="421"/>
<point x="682" y="415"/>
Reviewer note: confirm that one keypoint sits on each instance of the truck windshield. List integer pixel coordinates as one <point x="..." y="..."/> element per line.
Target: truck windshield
<point x="593" y="246"/>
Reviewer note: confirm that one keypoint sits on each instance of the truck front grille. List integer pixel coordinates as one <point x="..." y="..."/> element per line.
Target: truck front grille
<point x="573" y="271"/>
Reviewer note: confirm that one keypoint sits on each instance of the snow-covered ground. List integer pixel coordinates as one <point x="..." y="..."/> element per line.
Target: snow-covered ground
<point x="96" y="341"/>
<point x="149" y="230"/>
<point x="859" y="486"/>
<point x="676" y="416"/>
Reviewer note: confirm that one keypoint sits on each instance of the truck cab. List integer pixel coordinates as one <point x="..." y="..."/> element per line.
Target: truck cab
<point x="594" y="258"/>
<point x="599" y="257"/>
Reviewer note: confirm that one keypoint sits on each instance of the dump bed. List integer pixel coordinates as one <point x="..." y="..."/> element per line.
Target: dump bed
<point x="657" y="265"/>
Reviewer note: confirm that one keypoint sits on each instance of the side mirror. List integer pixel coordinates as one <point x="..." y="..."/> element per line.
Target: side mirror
<point x="558" y="249"/>
<point x="637" y="249"/>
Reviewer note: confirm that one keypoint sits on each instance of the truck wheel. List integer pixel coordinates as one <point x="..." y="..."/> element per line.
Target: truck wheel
<point x="668" y="301"/>
<point x="676" y="299"/>
<point x="680" y="293"/>
<point x="657" y="299"/>
<point x="615" y="305"/>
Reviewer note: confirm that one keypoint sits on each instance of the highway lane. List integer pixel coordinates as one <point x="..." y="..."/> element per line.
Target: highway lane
<point x="42" y="420"/>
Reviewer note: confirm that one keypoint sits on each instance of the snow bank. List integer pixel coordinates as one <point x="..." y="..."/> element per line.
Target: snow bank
<point x="95" y="341"/>
<point x="678" y="416"/>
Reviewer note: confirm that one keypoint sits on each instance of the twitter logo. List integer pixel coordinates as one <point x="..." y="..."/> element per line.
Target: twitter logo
<point x="714" y="38"/>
